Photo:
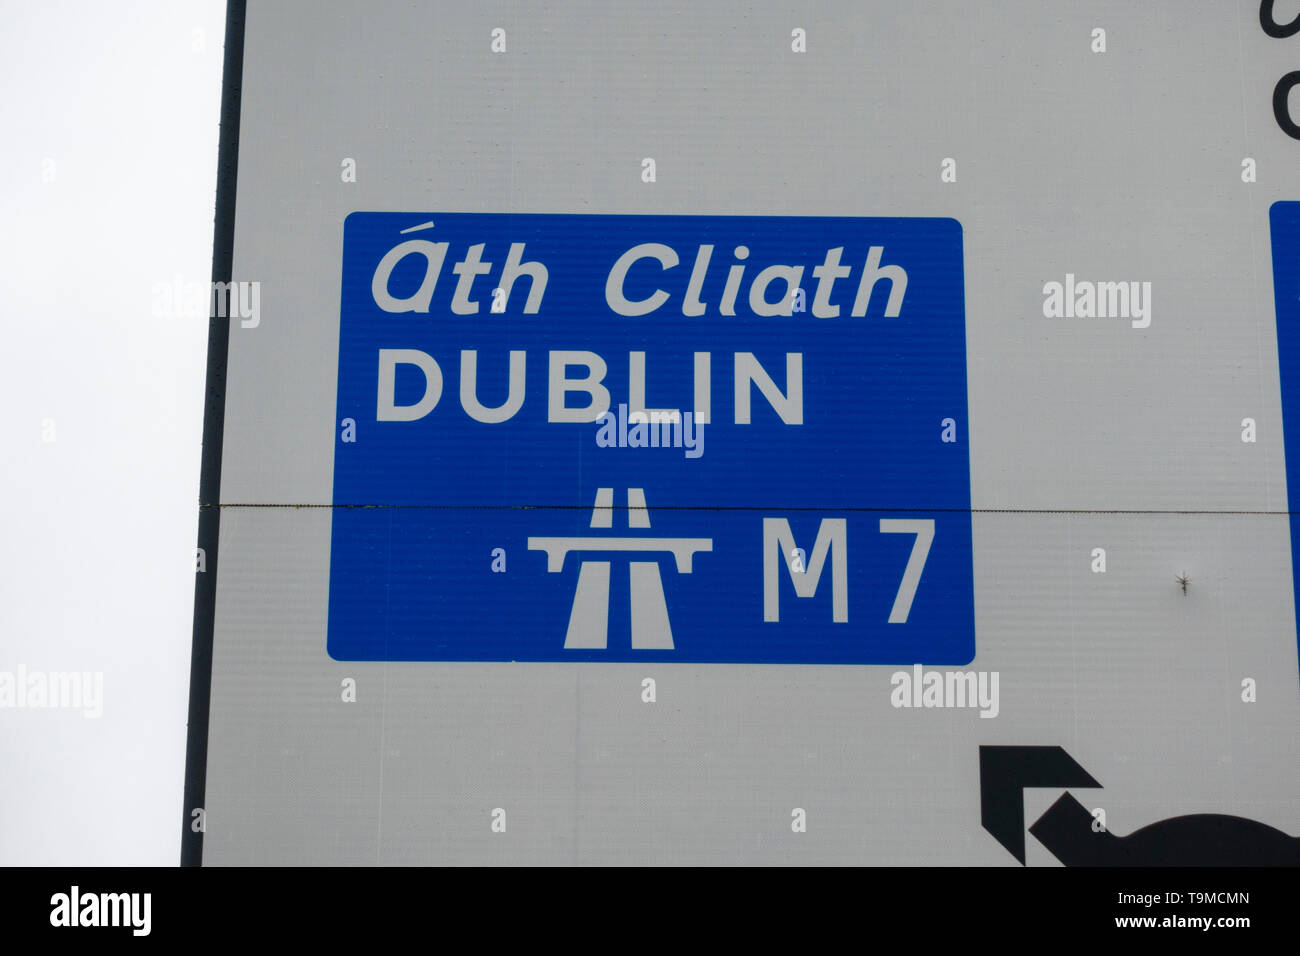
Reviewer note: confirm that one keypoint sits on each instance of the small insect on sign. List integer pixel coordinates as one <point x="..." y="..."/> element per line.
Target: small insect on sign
<point x="686" y="438"/>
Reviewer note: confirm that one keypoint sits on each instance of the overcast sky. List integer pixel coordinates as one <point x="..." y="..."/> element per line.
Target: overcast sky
<point x="107" y="182"/>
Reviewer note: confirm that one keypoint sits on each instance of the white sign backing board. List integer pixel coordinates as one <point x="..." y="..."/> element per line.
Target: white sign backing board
<point x="698" y="434"/>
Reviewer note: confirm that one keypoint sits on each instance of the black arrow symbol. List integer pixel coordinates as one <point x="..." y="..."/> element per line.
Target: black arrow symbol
<point x="1004" y="774"/>
<point x="1202" y="839"/>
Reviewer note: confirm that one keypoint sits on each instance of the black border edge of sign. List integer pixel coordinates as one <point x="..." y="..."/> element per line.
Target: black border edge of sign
<point x="214" y="421"/>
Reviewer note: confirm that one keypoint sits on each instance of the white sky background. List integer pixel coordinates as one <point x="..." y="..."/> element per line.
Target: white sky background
<point x="99" y="525"/>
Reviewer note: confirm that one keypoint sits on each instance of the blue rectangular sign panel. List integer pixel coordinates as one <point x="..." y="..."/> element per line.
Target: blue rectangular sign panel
<point x="1284" y="227"/>
<point x="711" y="439"/>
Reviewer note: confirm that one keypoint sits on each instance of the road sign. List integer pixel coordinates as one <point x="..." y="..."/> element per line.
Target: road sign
<point x="693" y="434"/>
<point x="679" y="438"/>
